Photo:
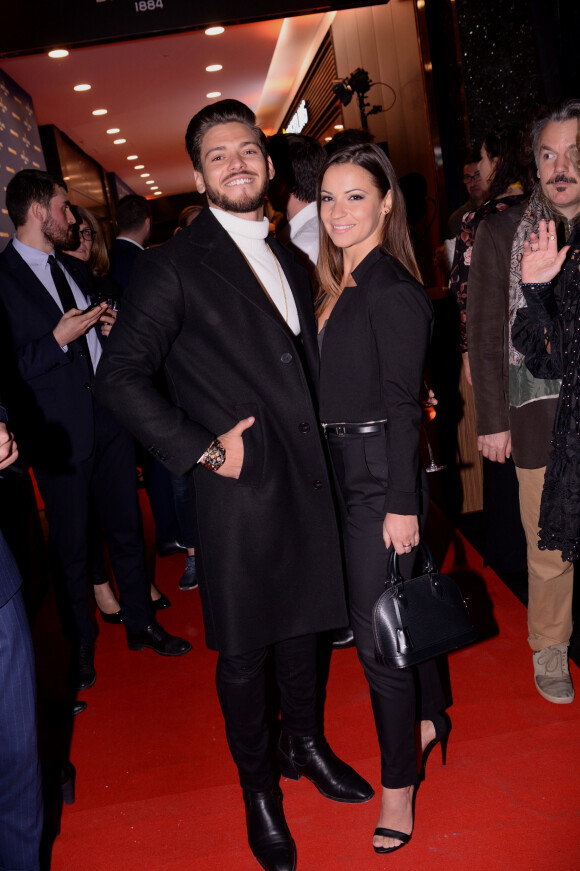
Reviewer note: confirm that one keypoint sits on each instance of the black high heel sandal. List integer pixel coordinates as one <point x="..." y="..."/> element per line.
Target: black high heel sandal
<point x="442" y="725"/>
<point x="403" y="837"/>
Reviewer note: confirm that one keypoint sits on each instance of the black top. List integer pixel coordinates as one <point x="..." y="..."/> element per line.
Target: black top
<point x="552" y="316"/>
<point x="372" y="361"/>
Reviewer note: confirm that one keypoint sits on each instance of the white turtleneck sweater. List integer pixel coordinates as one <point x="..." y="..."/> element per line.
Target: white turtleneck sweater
<point x="250" y="237"/>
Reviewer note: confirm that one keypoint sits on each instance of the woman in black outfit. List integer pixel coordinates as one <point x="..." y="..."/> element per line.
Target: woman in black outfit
<point x="374" y="329"/>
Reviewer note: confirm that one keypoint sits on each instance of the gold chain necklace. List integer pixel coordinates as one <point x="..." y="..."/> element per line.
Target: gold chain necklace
<point x="281" y="284"/>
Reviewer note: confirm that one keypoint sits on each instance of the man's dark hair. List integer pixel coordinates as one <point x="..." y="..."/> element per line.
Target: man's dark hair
<point x="222" y="112"/>
<point x="350" y="136"/>
<point x="566" y="110"/>
<point x="131" y="213"/>
<point x="30" y="186"/>
<point x="297" y="159"/>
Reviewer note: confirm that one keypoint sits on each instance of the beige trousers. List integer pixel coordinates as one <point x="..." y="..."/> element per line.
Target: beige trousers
<point x="550" y="580"/>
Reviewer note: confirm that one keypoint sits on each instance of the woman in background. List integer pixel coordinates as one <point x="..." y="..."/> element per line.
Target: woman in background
<point x="375" y="323"/>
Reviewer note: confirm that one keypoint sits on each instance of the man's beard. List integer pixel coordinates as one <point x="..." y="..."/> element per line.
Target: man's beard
<point x="241" y="205"/>
<point x="58" y="236"/>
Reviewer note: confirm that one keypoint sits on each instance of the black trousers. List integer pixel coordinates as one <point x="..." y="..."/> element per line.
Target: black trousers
<point x="398" y="696"/>
<point x="242" y="691"/>
<point x="106" y="481"/>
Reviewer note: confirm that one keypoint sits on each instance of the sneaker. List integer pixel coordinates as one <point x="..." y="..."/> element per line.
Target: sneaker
<point x="551" y="674"/>
<point x="188" y="579"/>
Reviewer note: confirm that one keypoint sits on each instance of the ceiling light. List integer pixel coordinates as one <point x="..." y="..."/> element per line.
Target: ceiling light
<point x="339" y="126"/>
<point x="151" y="181"/>
<point x="100" y="111"/>
<point x="214" y="31"/>
<point x="213" y="68"/>
<point x="113" y="130"/>
<point x="58" y="52"/>
<point x="155" y="187"/>
<point x="328" y="138"/>
<point x="119" y="141"/>
<point x="145" y="174"/>
<point x="132" y="157"/>
<point x="213" y="94"/>
<point x="140" y="166"/>
<point x="82" y="88"/>
<point x="158" y="193"/>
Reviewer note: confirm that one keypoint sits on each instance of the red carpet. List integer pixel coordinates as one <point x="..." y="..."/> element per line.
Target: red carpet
<point x="156" y="788"/>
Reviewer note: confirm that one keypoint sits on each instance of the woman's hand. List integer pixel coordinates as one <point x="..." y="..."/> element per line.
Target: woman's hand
<point x="402" y="531"/>
<point x="541" y="260"/>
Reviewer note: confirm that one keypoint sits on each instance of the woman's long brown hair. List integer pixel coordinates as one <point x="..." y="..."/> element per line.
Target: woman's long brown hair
<point x="395" y="239"/>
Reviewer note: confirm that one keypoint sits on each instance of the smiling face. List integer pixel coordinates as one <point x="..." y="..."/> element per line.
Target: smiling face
<point x="234" y="173"/>
<point x="352" y="209"/>
<point x="557" y="166"/>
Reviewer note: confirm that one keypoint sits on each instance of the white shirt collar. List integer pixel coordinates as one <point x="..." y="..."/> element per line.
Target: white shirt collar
<point x="303" y="217"/>
<point x="236" y="226"/>
<point x="30" y="254"/>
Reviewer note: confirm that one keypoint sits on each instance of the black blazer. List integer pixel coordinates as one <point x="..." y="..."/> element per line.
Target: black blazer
<point x="268" y="542"/>
<point x="47" y="392"/>
<point x="372" y="361"/>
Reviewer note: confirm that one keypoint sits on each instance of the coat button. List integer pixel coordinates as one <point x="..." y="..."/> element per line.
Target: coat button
<point x="286" y="358"/>
<point x="86" y="385"/>
<point x="304" y="427"/>
<point x="318" y="485"/>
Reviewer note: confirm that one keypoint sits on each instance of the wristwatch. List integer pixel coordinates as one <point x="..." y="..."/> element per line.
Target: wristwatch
<point x="214" y="457"/>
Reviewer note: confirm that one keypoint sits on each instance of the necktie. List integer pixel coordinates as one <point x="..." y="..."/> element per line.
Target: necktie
<point x="68" y="301"/>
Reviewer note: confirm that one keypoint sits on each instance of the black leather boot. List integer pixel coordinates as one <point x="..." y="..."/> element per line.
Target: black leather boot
<point x="268" y="834"/>
<point x="312" y="758"/>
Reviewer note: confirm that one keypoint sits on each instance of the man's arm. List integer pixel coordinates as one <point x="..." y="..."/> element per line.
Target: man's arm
<point x="487" y="315"/>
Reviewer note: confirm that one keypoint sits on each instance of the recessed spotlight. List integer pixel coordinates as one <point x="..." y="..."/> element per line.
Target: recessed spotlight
<point x="82" y="88"/>
<point x="213" y="94"/>
<point x="132" y="157"/>
<point x="140" y="166"/>
<point x="112" y="130"/>
<point x="150" y="181"/>
<point x="214" y="31"/>
<point x="155" y="187"/>
<point x="58" y="52"/>
<point x="100" y="111"/>
<point x="158" y="193"/>
<point x="119" y="141"/>
<point x="145" y="174"/>
<point x="213" y="68"/>
<point x="328" y="138"/>
<point x="339" y="126"/>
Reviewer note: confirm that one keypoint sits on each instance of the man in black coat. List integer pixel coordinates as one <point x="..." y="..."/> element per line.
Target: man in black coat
<point x="20" y="787"/>
<point x="228" y="314"/>
<point x="80" y="456"/>
<point x="133" y="216"/>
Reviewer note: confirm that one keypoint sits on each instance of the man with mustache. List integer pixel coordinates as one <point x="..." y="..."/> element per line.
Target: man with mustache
<point x="515" y="411"/>
<point x="226" y="312"/>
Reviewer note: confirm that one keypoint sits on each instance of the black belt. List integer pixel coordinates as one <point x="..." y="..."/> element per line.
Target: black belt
<point x="342" y="429"/>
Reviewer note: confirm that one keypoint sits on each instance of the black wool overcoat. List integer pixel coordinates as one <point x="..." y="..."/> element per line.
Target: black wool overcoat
<point x="268" y="543"/>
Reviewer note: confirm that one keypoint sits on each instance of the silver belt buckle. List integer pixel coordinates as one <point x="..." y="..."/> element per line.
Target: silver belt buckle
<point x="341" y="430"/>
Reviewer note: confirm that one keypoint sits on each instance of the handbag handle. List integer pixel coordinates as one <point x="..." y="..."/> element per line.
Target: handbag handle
<point x="393" y="573"/>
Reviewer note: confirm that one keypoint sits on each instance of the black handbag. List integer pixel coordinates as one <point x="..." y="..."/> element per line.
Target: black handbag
<point x="419" y="618"/>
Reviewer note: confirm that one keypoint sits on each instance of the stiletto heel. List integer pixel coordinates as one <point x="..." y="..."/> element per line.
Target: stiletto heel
<point x="442" y="725"/>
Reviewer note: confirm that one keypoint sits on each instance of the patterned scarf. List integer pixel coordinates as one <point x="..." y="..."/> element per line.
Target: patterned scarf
<point x="524" y="387"/>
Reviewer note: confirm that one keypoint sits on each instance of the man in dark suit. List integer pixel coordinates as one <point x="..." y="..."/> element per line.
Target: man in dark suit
<point x="80" y="456"/>
<point x="133" y="217"/>
<point x="20" y="789"/>
<point x="229" y="316"/>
